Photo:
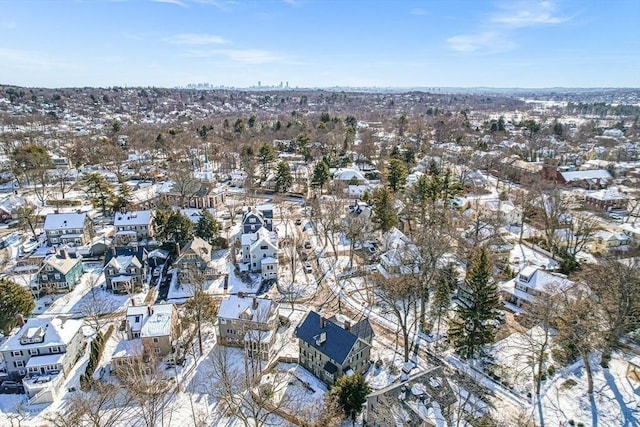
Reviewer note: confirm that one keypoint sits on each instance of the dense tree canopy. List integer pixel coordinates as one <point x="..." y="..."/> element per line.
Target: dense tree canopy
<point x="14" y="300"/>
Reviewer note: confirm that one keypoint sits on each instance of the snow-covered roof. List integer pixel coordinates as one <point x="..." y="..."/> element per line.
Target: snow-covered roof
<point x="64" y="221"/>
<point x="128" y="348"/>
<point x="159" y="322"/>
<point x="132" y="218"/>
<point x="247" y="308"/>
<point x="122" y="262"/>
<point x="539" y="280"/>
<point x="47" y="359"/>
<point x="62" y="264"/>
<point x="347" y="174"/>
<point x="600" y="174"/>
<point x="607" y="195"/>
<point x="56" y="332"/>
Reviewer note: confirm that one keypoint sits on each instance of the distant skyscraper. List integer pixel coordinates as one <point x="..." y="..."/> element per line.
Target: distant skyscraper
<point x="259" y="83"/>
<point x="287" y="85"/>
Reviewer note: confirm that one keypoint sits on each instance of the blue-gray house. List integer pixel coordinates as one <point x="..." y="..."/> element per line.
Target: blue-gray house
<point x="330" y="348"/>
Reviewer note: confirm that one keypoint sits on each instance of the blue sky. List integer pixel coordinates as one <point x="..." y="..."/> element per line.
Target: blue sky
<point x="321" y="43"/>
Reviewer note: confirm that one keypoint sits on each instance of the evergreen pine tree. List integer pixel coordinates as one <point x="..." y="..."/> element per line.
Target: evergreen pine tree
<point x="320" y="175"/>
<point x="284" y="180"/>
<point x="476" y="319"/>
<point x="385" y="215"/>
<point x="207" y="227"/>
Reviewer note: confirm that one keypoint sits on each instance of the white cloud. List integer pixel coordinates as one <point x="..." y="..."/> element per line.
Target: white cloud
<point x="31" y="60"/>
<point x="176" y="2"/>
<point x="246" y="56"/>
<point x="485" y="42"/>
<point x="418" y="11"/>
<point x="196" y="39"/>
<point x="527" y="14"/>
<point x="223" y="5"/>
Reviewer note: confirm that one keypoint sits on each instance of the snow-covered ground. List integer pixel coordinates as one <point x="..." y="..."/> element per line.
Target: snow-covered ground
<point x="615" y="400"/>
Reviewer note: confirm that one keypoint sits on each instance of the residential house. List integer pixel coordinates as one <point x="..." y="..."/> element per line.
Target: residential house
<point x="42" y="353"/>
<point x="248" y="322"/>
<point x="531" y="283"/>
<point x="133" y="227"/>
<point x="195" y="257"/>
<point x="423" y="399"/>
<point x="254" y="219"/>
<point x="260" y="252"/>
<point x="71" y="229"/>
<point x="331" y="348"/>
<point x="605" y="241"/>
<point x="60" y="273"/>
<point x="504" y="211"/>
<point x="152" y="333"/>
<point x="125" y="269"/>
<point x="607" y="199"/>
<point x="633" y="232"/>
<point x="9" y="207"/>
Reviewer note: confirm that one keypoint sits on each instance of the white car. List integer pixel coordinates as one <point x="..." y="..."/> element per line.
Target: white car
<point x="30" y="245"/>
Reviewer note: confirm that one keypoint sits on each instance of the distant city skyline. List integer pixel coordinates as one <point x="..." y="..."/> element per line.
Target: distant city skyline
<point x="320" y="43"/>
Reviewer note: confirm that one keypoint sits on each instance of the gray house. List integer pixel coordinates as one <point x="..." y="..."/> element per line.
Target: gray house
<point x="248" y="322"/>
<point x="331" y="348"/>
<point x="423" y="399"/>
<point x="71" y="229"/>
<point x="42" y="353"/>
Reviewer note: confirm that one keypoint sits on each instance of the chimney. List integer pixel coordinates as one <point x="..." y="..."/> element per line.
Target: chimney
<point x="178" y="249"/>
<point x="133" y="302"/>
<point x="255" y="303"/>
<point x="149" y="310"/>
<point x="347" y="325"/>
<point x="321" y="322"/>
<point x="113" y="251"/>
<point x="63" y="253"/>
<point x="20" y="320"/>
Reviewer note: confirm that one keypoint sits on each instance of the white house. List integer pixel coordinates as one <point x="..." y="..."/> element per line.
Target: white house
<point x="260" y="251"/>
<point x="530" y="284"/>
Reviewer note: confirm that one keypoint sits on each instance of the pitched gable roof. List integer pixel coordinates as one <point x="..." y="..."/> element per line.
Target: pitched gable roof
<point x="64" y="221"/>
<point x="338" y="342"/>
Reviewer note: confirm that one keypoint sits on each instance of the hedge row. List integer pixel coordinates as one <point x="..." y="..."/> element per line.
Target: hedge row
<point x="97" y="346"/>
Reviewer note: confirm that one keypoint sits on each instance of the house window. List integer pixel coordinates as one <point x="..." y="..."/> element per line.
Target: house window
<point x="33" y="351"/>
<point x="264" y="247"/>
<point x="55" y="349"/>
<point x="18" y="364"/>
<point x="157" y="350"/>
<point x="156" y="340"/>
<point x="16" y="353"/>
<point x="45" y="277"/>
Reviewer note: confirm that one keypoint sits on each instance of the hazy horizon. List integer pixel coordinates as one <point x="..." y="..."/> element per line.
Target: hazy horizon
<point x="321" y="44"/>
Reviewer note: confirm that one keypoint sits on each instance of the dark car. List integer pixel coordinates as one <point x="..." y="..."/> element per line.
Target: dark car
<point x="11" y="387"/>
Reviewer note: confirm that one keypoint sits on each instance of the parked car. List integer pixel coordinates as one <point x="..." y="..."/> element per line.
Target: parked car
<point x="307" y="267"/>
<point x="304" y="256"/>
<point x="307" y="245"/>
<point x="11" y="387"/>
<point x="298" y="221"/>
<point x="30" y="245"/>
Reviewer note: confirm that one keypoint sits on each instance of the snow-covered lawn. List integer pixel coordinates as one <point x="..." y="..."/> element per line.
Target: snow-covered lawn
<point x="615" y="400"/>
